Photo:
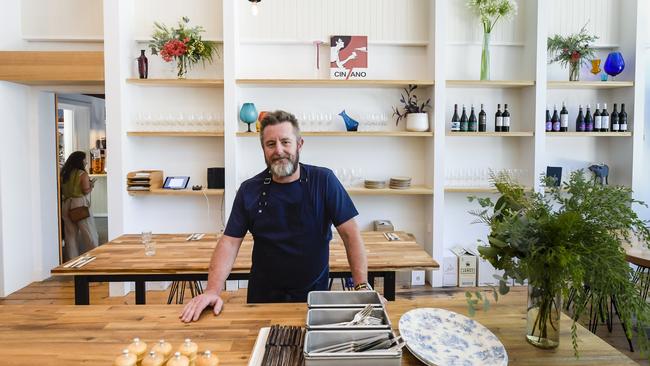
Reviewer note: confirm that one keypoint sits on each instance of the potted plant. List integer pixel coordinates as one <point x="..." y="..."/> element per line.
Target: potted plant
<point x="490" y="11"/>
<point x="565" y="240"/>
<point x="183" y="45"/>
<point x="414" y="113"/>
<point x="573" y="50"/>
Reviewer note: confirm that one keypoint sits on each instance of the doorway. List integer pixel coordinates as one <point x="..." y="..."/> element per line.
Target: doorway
<point x="81" y="126"/>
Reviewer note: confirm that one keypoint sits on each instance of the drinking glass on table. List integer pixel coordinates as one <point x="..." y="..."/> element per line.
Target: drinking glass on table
<point x="149" y="245"/>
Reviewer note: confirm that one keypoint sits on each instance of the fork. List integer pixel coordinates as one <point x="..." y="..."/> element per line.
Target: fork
<point x="361" y="315"/>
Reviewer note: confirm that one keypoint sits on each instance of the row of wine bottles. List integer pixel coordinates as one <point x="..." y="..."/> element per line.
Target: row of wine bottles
<point x="472" y="124"/>
<point x="600" y="121"/>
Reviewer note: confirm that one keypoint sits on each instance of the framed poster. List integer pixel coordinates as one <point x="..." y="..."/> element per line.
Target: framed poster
<point x="348" y="57"/>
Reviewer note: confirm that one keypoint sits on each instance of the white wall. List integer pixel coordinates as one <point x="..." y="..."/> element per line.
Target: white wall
<point x="17" y="198"/>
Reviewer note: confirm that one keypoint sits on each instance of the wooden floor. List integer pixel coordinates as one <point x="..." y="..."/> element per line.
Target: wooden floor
<point x="61" y="291"/>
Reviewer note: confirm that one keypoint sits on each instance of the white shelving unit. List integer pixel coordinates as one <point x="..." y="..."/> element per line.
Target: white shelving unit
<point x="434" y="44"/>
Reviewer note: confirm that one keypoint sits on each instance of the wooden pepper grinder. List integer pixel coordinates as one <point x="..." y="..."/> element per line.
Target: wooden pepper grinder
<point x="207" y="359"/>
<point x="163" y="348"/>
<point x="189" y="349"/>
<point x="178" y="360"/>
<point x="138" y="348"/>
<point x="126" y="359"/>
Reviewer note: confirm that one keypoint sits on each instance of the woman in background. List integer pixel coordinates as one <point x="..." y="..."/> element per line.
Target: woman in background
<point x="80" y="236"/>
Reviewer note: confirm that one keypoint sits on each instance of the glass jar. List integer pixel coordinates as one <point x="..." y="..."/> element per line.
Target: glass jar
<point x="543" y="317"/>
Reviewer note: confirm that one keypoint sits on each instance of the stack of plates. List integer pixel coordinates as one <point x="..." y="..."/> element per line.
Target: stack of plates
<point x="442" y="337"/>
<point x="400" y="182"/>
<point x="374" y="184"/>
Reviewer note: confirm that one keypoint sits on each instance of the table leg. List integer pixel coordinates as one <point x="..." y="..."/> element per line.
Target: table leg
<point x="389" y="286"/>
<point x="81" y="290"/>
<point x="140" y="293"/>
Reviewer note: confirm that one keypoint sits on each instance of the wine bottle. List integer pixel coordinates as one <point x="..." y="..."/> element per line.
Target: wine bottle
<point x="473" y="124"/>
<point x="604" y="127"/>
<point x="549" y="122"/>
<point x="622" y="119"/>
<point x="564" y="119"/>
<point x="498" y="119"/>
<point x="589" y="120"/>
<point x="455" y="123"/>
<point x="597" y="118"/>
<point x="555" y="120"/>
<point x="506" y="119"/>
<point x="463" y="121"/>
<point x="614" y="120"/>
<point x="580" y="121"/>
<point x="482" y="120"/>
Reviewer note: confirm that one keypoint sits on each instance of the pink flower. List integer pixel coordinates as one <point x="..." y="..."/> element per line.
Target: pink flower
<point x="187" y="39"/>
<point x="575" y="56"/>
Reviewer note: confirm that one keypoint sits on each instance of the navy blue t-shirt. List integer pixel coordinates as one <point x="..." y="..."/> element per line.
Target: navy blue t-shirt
<point x="272" y="213"/>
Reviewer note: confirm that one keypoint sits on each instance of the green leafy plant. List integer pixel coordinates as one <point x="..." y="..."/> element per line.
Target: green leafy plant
<point x="182" y="44"/>
<point x="410" y="104"/>
<point x="567" y="240"/>
<point x="490" y="11"/>
<point x="572" y="49"/>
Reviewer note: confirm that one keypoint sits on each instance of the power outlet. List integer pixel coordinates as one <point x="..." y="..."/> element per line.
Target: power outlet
<point x="417" y="278"/>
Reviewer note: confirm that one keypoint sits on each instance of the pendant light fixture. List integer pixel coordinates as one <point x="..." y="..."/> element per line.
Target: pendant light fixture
<point x="254" y="9"/>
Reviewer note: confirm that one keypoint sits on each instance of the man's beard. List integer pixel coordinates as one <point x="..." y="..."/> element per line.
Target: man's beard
<point x="284" y="165"/>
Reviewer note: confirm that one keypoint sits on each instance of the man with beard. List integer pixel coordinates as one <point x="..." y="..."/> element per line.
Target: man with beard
<point x="289" y="209"/>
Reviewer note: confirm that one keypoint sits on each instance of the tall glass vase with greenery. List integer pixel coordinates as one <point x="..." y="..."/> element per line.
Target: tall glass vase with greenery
<point x="567" y="239"/>
<point x="573" y="50"/>
<point x="489" y="12"/>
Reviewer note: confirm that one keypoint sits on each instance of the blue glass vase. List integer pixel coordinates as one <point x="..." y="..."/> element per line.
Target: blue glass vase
<point x="614" y="64"/>
<point x="248" y="114"/>
<point x="351" y="125"/>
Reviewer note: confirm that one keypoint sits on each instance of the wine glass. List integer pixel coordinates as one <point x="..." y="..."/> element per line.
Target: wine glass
<point x="614" y="64"/>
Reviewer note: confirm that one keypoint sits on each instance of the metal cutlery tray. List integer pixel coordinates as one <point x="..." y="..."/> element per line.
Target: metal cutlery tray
<point x="316" y="339"/>
<point x="343" y="299"/>
<point x="319" y="318"/>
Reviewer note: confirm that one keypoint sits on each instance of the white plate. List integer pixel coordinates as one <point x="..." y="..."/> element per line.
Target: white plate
<point x="443" y="338"/>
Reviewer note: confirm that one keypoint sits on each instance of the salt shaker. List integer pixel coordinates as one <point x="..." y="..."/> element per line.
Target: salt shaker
<point x="138" y="348"/>
<point x="153" y="359"/>
<point x="126" y="359"/>
<point x="207" y="359"/>
<point x="178" y="360"/>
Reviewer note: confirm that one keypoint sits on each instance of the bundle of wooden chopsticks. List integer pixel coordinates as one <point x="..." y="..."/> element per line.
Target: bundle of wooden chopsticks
<point x="284" y="346"/>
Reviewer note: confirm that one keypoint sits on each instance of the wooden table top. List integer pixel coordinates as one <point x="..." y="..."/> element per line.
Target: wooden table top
<point x="125" y="255"/>
<point x="95" y="334"/>
<point x="637" y="253"/>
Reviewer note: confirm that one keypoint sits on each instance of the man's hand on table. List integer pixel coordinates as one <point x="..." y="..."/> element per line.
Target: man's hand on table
<point x="192" y="311"/>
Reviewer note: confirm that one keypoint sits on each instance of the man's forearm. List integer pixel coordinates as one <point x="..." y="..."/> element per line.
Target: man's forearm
<point x="221" y="263"/>
<point x="355" y="251"/>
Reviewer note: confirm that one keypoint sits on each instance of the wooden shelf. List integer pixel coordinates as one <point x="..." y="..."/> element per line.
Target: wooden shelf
<point x="470" y="189"/>
<point x="353" y="134"/>
<point x="413" y="191"/>
<point x="175" y="133"/>
<point x="199" y="83"/>
<point x="173" y="192"/>
<point x="589" y="84"/>
<point x="490" y="83"/>
<point x="53" y="67"/>
<point x="332" y="83"/>
<point x="589" y="134"/>
<point x="490" y="134"/>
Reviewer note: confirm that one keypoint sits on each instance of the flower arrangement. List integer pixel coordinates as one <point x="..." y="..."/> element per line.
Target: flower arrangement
<point x="573" y="50"/>
<point x="183" y="45"/>
<point x="567" y="242"/>
<point x="490" y="11"/>
<point x="410" y="102"/>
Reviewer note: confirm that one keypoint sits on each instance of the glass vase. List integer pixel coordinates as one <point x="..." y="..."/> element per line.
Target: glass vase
<point x="485" y="57"/>
<point x="543" y="317"/>
<point x="181" y="66"/>
<point x="574" y="71"/>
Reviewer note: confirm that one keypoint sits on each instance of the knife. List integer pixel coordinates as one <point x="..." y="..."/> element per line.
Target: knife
<point x="75" y="261"/>
<point x="83" y="263"/>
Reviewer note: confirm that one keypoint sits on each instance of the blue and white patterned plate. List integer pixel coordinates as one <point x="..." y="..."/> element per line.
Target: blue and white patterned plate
<point x="441" y="337"/>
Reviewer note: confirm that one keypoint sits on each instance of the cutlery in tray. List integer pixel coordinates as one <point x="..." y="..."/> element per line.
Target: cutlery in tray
<point x="283" y="347"/>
